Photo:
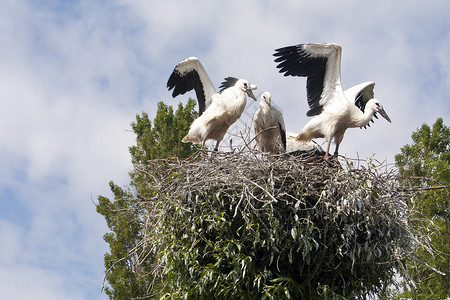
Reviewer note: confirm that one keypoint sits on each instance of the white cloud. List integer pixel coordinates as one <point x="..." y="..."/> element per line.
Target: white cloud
<point x="24" y="274"/>
<point x="25" y="282"/>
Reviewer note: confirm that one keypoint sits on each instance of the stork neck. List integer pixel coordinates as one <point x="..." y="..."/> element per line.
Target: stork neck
<point x="264" y="108"/>
<point x="364" y="118"/>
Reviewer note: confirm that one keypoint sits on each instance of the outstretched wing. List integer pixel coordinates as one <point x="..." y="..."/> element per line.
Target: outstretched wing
<point x="228" y="82"/>
<point x="320" y="63"/>
<point x="361" y="93"/>
<point x="190" y="75"/>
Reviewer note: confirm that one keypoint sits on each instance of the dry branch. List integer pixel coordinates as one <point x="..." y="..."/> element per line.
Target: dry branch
<point x="334" y="225"/>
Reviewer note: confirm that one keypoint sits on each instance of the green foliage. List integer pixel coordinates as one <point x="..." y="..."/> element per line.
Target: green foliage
<point x="429" y="156"/>
<point x="426" y="164"/>
<point x="127" y="264"/>
<point x="122" y="217"/>
<point x="238" y="227"/>
<point x="163" y="139"/>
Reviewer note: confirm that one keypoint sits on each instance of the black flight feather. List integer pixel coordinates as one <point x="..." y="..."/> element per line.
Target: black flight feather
<point x="296" y="61"/>
<point x="282" y="135"/>
<point x="187" y="82"/>
<point x="229" y="82"/>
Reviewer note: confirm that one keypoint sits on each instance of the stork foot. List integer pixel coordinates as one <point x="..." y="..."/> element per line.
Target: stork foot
<point x="331" y="160"/>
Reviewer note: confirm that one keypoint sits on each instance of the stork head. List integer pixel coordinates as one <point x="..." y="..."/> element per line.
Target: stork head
<point x="246" y="87"/>
<point x="376" y="107"/>
<point x="266" y="99"/>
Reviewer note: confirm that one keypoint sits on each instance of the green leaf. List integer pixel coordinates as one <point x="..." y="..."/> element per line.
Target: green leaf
<point x="294" y="233"/>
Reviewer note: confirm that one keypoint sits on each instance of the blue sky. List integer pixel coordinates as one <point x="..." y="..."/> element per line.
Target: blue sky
<point x="73" y="75"/>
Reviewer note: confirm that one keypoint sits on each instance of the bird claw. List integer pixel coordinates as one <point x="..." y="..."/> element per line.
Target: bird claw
<point x="331" y="160"/>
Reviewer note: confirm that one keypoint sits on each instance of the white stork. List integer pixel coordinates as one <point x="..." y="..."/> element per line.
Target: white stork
<point x="334" y="109"/>
<point x="268" y="116"/>
<point x="217" y="110"/>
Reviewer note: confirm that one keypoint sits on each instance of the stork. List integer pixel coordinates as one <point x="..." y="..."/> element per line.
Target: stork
<point x="269" y="126"/>
<point x="334" y="109"/>
<point x="294" y="145"/>
<point x="217" y="110"/>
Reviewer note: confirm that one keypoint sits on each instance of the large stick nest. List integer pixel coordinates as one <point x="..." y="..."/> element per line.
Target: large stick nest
<point x="238" y="225"/>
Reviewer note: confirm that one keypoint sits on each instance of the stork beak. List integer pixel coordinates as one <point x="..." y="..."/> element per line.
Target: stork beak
<point x="250" y="93"/>
<point x="384" y="115"/>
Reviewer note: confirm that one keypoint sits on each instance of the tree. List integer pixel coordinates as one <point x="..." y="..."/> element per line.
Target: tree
<point x="240" y="225"/>
<point x="426" y="164"/>
<point x="237" y="226"/>
<point x="126" y="269"/>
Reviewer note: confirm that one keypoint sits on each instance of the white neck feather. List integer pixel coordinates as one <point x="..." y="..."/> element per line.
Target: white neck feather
<point x="362" y="119"/>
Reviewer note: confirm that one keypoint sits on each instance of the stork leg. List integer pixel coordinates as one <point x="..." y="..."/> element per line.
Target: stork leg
<point x="217" y="146"/>
<point x="336" y="150"/>
<point x="338" y="140"/>
<point x="328" y="150"/>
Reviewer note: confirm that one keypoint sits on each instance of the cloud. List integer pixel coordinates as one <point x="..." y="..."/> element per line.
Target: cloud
<point x="25" y="282"/>
<point x="67" y="93"/>
<point x="29" y="272"/>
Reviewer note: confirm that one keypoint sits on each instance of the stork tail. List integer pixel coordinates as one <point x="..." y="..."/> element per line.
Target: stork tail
<point x="302" y="137"/>
<point x="190" y="139"/>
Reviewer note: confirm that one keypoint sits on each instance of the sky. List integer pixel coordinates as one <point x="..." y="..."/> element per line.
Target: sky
<point x="74" y="74"/>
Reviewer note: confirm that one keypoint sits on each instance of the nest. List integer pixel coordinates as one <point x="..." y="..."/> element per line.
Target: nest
<point x="246" y="225"/>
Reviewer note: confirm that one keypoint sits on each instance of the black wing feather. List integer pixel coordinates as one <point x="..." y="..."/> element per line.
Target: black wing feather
<point x="229" y="82"/>
<point x="282" y="135"/>
<point x="185" y="83"/>
<point x="361" y="102"/>
<point x="295" y="61"/>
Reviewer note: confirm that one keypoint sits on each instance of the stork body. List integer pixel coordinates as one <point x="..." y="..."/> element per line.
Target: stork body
<point x="217" y="110"/>
<point x="335" y="110"/>
<point x="226" y="107"/>
<point x="265" y="119"/>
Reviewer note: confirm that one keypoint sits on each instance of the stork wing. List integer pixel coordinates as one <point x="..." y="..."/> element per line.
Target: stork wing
<point x="229" y="82"/>
<point x="320" y="63"/>
<point x="190" y="75"/>
<point x="256" y="121"/>
<point x="361" y="93"/>
<point x="281" y="127"/>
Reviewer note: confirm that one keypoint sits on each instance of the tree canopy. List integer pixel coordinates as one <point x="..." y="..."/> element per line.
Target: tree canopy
<point x="198" y="225"/>
<point x="426" y="164"/>
<point x="124" y="216"/>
